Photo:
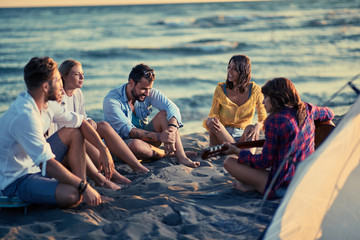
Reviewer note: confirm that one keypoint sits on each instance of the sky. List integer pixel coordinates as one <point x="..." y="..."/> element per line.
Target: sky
<point x="54" y="3"/>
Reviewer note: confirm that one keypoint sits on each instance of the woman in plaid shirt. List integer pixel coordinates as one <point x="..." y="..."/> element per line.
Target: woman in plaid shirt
<point x="289" y="133"/>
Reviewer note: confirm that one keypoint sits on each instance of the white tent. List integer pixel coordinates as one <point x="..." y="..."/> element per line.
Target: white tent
<point x="323" y="199"/>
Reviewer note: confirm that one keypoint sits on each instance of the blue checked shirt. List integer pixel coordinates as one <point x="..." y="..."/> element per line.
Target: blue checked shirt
<point x="118" y="114"/>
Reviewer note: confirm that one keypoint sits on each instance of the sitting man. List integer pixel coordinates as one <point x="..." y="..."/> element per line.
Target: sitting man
<point x="126" y="109"/>
<point x="29" y="168"/>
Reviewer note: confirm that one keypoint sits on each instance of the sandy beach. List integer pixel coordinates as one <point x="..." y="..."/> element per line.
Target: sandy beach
<point x="171" y="202"/>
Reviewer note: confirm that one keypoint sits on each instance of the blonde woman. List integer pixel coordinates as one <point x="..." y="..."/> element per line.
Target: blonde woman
<point x="73" y="78"/>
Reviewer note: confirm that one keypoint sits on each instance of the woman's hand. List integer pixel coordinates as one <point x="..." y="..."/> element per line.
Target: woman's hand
<point x="252" y="132"/>
<point x="213" y="124"/>
<point x="106" y="163"/>
<point x="92" y="123"/>
<point x="232" y="149"/>
<point x="91" y="196"/>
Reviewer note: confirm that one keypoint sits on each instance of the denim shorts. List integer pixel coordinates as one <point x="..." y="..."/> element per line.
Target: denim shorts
<point x="35" y="188"/>
<point x="236" y="133"/>
<point x="58" y="148"/>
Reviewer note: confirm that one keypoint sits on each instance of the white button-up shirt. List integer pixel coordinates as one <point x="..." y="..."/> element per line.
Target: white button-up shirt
<point x="56" y="115"/>
<point x="22" y="144"/>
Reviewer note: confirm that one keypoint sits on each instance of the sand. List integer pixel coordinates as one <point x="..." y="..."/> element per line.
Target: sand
<point x="171" y="202"/>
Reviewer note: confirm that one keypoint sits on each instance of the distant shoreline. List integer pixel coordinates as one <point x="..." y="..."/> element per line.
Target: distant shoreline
<point x="80" y="3"/>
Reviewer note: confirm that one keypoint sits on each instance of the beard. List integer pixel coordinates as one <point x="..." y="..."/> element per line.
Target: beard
<point x="52" y="95"/>
<point x="136" y="96"/>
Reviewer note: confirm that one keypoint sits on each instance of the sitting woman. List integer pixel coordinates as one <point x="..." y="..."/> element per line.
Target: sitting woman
<point x="234" y="104"/>
<point x="73" y="77"/>
<point x="289" y="134"/>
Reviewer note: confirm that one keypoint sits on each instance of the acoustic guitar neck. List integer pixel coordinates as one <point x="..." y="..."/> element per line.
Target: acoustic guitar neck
<point x="215" y="150"/>
<point x="322" y="130"/>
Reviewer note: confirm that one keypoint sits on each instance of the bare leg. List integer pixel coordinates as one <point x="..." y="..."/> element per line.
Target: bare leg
<point x="220" y="137"/>
<point x="67" y="196"/>
<point x="94" y="156"/>
<point x="144" y="150"/>
<point x="118" y="147"/>
<point x="75" y="159"/>
<point x="180" y="154"/>
<point x="98" y="178"/>
<point x="160" y="123"/>
<point x="249" y="178"/>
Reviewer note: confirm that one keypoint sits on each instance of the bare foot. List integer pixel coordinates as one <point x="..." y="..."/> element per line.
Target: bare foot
<point x="120" y="179"/>
<point x="242" y="187"/>
<point x="187" y="153"/>
<point x="141" y="169"/>
<point x="106" y="199"/>
<point x="109" y="184"/>
<point x="103" y="182"/>
<point x="188" y="162"/>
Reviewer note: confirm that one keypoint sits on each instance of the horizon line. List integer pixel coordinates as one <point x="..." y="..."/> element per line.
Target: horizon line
<point x="83" y="3"/>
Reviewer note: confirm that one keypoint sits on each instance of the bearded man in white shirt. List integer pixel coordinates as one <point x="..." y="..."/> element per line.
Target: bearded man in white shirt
<point x="35" y="169"/>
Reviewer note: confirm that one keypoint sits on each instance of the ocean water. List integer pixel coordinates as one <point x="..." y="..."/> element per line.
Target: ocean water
<point x="316" y="44"/>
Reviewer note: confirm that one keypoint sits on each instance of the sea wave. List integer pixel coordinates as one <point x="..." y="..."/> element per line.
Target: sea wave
<point x="195" y="108"/>
<point x="341" y="17"/>
<point x="220" y="20"/>
<point x="186" y="82"/>
<point x="187" y="48"/>
<point x="9" y="70"/>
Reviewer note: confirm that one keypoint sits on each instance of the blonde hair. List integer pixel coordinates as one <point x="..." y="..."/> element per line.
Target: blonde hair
<point x="67" y="65"/>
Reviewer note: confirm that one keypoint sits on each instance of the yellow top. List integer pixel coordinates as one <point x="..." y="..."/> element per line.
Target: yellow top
<point x="230" y="114"/>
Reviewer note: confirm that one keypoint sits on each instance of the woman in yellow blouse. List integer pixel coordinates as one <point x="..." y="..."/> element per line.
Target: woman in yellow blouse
<point x="233" y="106"/>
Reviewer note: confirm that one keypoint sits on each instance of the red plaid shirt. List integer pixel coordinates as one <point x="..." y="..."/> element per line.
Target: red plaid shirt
<point x="284" y="137"/>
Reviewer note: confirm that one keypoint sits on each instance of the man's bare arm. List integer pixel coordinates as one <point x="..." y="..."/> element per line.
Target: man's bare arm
<point x="144" y="135"/>
<point x="165" y="136"/>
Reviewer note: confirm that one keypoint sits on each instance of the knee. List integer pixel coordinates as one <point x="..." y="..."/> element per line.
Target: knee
<point x="74" y="198"/>
<point x="71" y="199"/>
<point x="228" y="162"/>
<point x="136" y="145"/>
<point x="161" y="117"/>
<point x="103" y="126"/>
<point x="162" y="114"/>
<point x="67" y="135"/>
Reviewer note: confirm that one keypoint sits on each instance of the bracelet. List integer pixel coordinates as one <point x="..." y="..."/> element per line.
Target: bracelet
<point x="170" y="124"/>
<point x="81" y="185"/>
<point x="83" y="190"/>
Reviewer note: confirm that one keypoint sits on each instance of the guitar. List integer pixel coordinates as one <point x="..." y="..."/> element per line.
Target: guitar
<point x="322" y="130"/>
<point x="216" y="150"/>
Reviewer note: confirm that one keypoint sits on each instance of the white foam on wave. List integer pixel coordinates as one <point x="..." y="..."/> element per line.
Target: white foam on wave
<point x="178" y="22"/>
<point x="212" y="46"/>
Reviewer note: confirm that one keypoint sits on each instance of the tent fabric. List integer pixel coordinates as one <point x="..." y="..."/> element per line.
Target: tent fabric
<point x="323" y="199"/>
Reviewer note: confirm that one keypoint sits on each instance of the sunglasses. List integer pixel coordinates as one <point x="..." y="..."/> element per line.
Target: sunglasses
<point x="149" y="74"/>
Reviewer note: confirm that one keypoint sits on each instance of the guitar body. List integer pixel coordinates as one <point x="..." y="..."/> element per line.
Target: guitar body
<point x="322" y="130"/>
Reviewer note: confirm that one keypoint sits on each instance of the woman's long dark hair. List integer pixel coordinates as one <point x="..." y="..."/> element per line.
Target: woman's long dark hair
<point x="282" y="93"/>
<point x="243" y="67"/>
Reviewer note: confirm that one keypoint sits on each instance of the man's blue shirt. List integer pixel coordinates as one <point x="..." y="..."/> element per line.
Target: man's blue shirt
<point x="118" y="114"/>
